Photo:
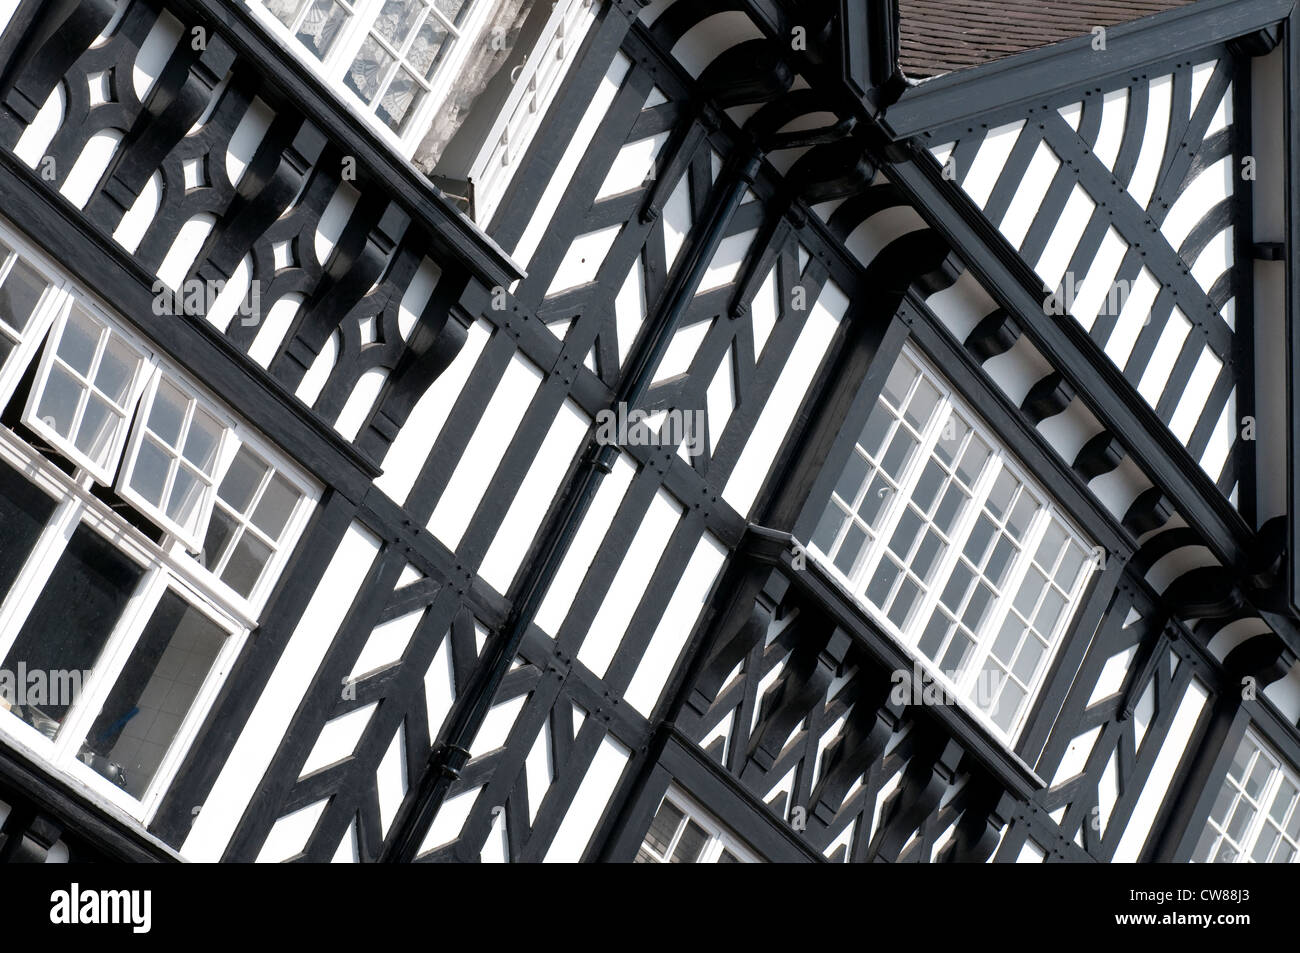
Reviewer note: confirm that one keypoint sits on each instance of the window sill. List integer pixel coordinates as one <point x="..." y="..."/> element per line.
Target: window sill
<point x="78" y="807"/>
<point x="813" y="581"/>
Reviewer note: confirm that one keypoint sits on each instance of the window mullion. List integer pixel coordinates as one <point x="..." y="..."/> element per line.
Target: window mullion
<point x="355" y="30"/>
<point x="987" y="634"/>
<point x="979" y="492"/>
<point x="36" y="571"/>
<point x="907" y="481"/>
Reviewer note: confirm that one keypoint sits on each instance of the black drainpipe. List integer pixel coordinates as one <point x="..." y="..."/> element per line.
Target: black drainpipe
<point x="448" y="757"/>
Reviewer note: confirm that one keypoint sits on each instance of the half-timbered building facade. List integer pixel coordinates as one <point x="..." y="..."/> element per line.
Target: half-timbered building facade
<point x="649" y="430"/>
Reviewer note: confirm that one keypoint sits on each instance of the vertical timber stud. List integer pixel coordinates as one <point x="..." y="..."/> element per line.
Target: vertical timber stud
<point x="451" y="753"/>
<point x="1291" y="79"/>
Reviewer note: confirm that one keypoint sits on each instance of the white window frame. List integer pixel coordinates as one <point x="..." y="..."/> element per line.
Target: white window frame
<point x="720" y="838"/>
<point x="227" y="444"/>
<point x="1244" y="846"/>
<point x="168" y="563"/>
<point x="333" y="67"/>
<point x="76" y="507"/>
<point x="53" y="300"/>
<point x="857" y="580"/>
<point x="102" y="472"/>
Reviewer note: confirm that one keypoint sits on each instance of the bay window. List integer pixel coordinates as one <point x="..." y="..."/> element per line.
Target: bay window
<point x="958" y="553"/>
<point x="145" y="526"/>
<point x="1255" y="818"/>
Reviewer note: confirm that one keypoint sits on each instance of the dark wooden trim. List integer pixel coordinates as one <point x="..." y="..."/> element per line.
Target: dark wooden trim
<point x="1017" y="81"/>
<point x="105" y="270"/>
<point x="449" y="229"/>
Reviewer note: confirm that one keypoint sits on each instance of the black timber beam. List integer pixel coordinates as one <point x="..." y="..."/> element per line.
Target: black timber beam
<point x="450" y="231"/>
<point x="1031" y="77"/>
<point x="110" y="273"/>
<point x="815" y="584"/>
<point x="25" y="784"/>
<point x="1067" y="347"/>
<point x="1291" y="98"/>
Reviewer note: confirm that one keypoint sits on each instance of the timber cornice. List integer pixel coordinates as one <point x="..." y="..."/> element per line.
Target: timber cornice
<point x="1015" y="82"/>
<point x="105" y="269"/>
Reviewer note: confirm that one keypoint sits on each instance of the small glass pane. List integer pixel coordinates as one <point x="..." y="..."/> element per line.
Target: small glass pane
<point x="427" y="50"/>
<point x="905" y="533"/>
<point x="887" y="572"/>
<point x="932" y="637"/>
<point x="690" y="844"/>
<point x="972" y="461"/>
<point x="78" y="343"/>
<point x="275" y="507"/>
<point x="246" y="564"/>
<point x="202" y="440"/>
<point x="899" y="381"/>
<point x="1021" y="514"/>
<point x="1241" y="760"/>
<point x="159" y="683"/>
<point x="950" y="508"/>
<point x="396" y="19"/>
<point x="242" y="480"/>
<point x="874" y="431"/>
<point x="149" y="475"/>
<point x="1000" y="560"/>
<point x="186" y="497"/>
<point x="58" y="404"/>
<point x="828" y="528"/>
<point x="221" y="528"/>
<point x="957" y="655"/>
<point x="1068" y="571"/>
<point x="850" y="481"/>
<point x="167" y="415"/>
<point x="1282" y="801"/>
<point x="979" y="539"/>
<point x="283" y="10"/>
<point x="1004" y="487"/>
<point x="958" y="582"/>
<point x="1027" y="597"/>
<point x="903" y="602"/>
<point x="1258" y="776"/>
<point x="1049" y="612"/>
<point x="320" y="27"/>
<point x="453" y="10"/>
<point x="899" y="452"/>
<point x="662" y="829"/>
<point x="1053" y="537"/>
<point x="116" y="369"/>
<point x="96" y="431"/>
<point x="1008" y="638"/>
<point x="1027" y="661"/>
<point x="369" y="70"/>
<point x="19" y="295"/>
<point x="1008" y="707"/>
<point x="950" y="438"/>
<point x="980" y="601"/>
<point x="924" y="399"/>
<point x="927" y="489"/>
<point x="873" y="502"/>
<point x="399" y="100"/>
<point x="927" y="556"/>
